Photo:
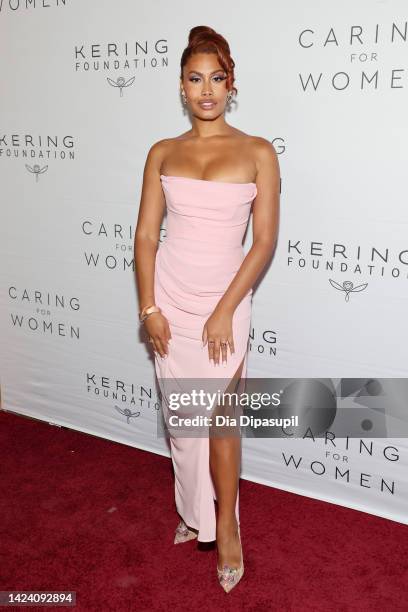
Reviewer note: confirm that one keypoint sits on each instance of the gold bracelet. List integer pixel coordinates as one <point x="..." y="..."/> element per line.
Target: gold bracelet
<point x="146" y="311"/>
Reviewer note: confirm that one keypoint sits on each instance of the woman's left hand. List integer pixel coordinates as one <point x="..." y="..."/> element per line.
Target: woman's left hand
<point x="217" y="331"/>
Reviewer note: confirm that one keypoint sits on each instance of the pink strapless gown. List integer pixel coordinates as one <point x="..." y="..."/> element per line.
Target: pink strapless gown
<point x="201" y="254"/>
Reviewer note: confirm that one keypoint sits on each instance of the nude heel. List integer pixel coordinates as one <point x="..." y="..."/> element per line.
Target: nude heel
<point x="183" y="533"/>
<point x="228" y="576"/>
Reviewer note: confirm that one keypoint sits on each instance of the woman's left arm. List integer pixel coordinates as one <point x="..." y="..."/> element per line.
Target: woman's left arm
<point x="265" y="222"/>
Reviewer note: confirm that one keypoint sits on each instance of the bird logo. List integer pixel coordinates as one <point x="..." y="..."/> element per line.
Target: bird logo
<point x="121" y="83"/>
<point x="348" y="287"/>
<point x="126" y="412"/>
<point x="37" y="170"/>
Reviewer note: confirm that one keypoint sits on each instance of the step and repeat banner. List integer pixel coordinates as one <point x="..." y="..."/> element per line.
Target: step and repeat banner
<point x="86" y="88"/>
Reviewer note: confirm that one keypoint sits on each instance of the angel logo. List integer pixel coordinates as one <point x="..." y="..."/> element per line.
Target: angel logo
<point x="347" y="287"/>
<point x="36" y="170"/>
<point x="127" y="413"/>
<point x="121" y="83"/>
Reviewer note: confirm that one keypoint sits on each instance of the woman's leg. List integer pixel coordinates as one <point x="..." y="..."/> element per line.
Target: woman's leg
<point x="225" y="465"/>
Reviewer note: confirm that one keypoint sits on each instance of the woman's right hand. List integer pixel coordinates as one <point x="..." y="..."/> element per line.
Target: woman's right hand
<point x="158" y="332"/>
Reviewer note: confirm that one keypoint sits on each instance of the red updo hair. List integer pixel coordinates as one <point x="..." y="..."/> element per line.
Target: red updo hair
<point x="203" y="39"/>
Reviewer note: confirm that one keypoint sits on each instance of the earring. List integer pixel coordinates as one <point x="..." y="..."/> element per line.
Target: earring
<point x="183" y="95"/>
<point x="229" y="97"/>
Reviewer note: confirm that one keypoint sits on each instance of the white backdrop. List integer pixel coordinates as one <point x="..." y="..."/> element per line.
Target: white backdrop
<point x="87" y="87"/>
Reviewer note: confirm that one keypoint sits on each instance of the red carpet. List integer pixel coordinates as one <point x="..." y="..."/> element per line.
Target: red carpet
<point x="84" y="514"/>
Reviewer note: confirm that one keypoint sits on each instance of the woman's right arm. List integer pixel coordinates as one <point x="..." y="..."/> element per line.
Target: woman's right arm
<point x="147" y="235"/>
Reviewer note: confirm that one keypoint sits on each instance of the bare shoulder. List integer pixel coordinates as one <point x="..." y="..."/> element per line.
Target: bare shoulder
<point x="162" y="148"/>
<point x="265" y="156"/>
<point x="159" y="148"/>
<point x="156" y="154"/>
<point x="263" y="149"/>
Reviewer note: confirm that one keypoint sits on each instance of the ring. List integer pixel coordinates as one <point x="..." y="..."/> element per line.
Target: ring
<point x="211" y="341"/>
<point x="224" y="343"/>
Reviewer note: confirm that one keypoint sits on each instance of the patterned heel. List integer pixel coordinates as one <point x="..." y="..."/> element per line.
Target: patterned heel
<point x="228" y="576"/>
<point x="183" y="533"/>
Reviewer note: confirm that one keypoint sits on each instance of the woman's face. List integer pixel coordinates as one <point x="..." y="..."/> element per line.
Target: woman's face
<point x="204" y="85"/>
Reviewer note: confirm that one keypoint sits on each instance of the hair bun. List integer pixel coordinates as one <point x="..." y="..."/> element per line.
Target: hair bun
<point x="203" y="39"/>
<point x="200" y="33"/>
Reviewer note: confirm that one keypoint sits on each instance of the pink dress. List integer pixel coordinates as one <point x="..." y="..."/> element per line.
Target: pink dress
<point x="201" y="254"/>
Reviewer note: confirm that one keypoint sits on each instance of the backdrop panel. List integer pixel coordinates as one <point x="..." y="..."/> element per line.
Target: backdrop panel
<point x="87" y="88"/>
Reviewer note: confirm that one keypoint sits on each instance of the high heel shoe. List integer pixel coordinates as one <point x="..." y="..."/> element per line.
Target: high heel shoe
<point x="228" y="576"/>
<point x="183" y="533"/>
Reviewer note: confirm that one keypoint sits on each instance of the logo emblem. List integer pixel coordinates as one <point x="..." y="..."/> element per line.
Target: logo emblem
<point x="347" y="287"/>
<point x="121" y="83"/>
<point x="37" y="170"/>
<point x="126" y="412"/>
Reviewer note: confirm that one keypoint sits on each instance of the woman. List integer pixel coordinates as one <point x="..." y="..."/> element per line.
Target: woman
<point x="195" y="291"/>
